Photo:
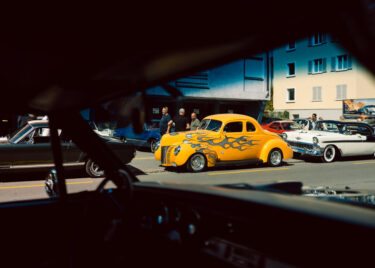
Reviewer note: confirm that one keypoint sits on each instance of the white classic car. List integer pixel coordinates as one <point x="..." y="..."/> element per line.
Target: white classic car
<point x="332" y="139"/>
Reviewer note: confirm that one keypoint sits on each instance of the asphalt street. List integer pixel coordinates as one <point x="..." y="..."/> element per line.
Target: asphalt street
<point x="356" y="173"/>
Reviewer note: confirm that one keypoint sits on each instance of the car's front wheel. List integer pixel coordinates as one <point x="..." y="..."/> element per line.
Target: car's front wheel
<point x="153" y="145"/>
<point x="329" y="154"/>
<point x="196" y="163"/>
<point x="93" y="169"/>
<point x="275" y="158"/>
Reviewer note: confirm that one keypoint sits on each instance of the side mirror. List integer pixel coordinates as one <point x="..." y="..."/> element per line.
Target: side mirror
<point x="50" y="184"/>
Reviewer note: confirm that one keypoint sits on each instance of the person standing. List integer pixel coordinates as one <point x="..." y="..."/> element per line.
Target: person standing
<point x="165" y="119"/>
<point x="180" y="121"/>
<point x="313" y="121"/>
<point x="194" y="124"/>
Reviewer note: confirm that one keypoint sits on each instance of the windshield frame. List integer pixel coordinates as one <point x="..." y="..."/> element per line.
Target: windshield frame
<point x="210" y="120"/>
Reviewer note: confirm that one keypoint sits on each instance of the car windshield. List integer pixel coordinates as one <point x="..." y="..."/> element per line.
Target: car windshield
<point x="16" y="134"/>
<point x="210" y="124"/>
<point x="172" y="130"/>
<point x="291" y="126"/>
<point x="329" y="127"/>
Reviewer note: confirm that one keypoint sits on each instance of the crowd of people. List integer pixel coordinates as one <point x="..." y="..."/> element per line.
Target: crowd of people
<point x="178" y="122"/>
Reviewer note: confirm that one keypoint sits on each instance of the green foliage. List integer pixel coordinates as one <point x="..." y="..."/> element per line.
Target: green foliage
<point x="269" y="106"/>
<point x="283" y="115"/>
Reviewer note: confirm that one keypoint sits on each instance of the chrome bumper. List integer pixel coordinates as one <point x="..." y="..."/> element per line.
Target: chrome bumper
<point x="315" y="151"/>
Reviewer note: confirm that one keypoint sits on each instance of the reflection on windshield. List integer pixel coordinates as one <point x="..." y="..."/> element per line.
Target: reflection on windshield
<point x="210" y="124"/>
<point x="291" y="126"/>
<point x="329" y="127"/>
<point x="14" y="136"/>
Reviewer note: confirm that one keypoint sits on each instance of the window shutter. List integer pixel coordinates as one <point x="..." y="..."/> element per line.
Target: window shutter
<point x="314" y="94"/>
<point x="338" y="92"/>
<point x="310" y="67"/>
<point x="343" y="92"/>
<point x="324" y="61"/>
<point x="320" y="93"/>
<point x="333" y="64"/>
<point x="349" y="62"/>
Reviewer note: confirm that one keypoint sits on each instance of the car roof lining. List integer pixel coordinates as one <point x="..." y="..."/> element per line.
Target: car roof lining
<point x="105" y="53"/>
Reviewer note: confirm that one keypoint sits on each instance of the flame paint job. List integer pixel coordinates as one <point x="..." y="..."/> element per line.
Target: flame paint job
<point x="221" y="146"/>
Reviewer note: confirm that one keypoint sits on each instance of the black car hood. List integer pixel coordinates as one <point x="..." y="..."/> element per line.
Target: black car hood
<point x="354" y="197"/>
<point x="347" y="195"/>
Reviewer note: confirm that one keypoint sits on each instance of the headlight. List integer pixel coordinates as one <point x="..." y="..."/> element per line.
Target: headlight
<point x="315" y="140"/>
<point x="285" y="136"/>
<point x="177" y="150"/>
<point x="157" y="145"/>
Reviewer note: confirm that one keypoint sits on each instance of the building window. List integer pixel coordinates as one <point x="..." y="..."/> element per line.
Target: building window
<point x="341" y="63"/>
<point x="291" y="69"/>
<point x="317" y="66"/>
<point x="341" y="91"/>
<point x="295" y="116"/>
<point x="317" y="39"/>
<point x="291" y="45"/>
<point x="291" y="95"/>
<point x="198" y="81"/>
<point x="317" y="94"/>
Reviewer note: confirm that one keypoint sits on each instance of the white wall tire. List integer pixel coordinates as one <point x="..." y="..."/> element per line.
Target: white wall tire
<point x="275" y="158"/>
<point x="196" y="163"/>
<point x="329" y="154"/>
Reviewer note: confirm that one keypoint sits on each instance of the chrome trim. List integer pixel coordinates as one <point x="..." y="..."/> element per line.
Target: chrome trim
<point x="164" y="151"/>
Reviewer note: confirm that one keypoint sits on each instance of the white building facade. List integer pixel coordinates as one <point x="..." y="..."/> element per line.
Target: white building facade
<point x="314" y="75"/>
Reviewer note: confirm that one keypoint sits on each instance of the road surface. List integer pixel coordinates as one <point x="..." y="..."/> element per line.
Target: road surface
<point x="357" y="173"/>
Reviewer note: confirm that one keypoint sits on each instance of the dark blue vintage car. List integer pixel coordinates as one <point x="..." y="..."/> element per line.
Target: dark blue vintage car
<point x="146" y="139"/>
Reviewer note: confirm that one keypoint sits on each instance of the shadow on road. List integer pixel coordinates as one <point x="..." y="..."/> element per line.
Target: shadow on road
<point x="227" y="167"/>
<point x="38" y="175"/>
<point x="311" y="159"/>
<point x="79" y="173"/>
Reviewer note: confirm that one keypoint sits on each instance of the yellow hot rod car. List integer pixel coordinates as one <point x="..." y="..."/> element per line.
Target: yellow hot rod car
<point x="222" y="139"/>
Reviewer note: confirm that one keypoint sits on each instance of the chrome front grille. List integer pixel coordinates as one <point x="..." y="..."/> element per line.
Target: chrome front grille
<point x="164" y="154"/>
<point x="301" y="145"/>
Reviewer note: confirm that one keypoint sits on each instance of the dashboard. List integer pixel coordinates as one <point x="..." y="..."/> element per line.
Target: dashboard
<point x="199" y="229"/>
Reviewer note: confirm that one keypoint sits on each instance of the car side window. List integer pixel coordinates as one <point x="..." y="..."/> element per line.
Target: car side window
<point x="233" y="127"/>
<point x="275" y="126"/>
<point x="250" y="127"/>
<point x="362" y="130"/>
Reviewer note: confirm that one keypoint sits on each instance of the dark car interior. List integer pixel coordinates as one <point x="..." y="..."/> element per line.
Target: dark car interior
<point x="58" y="64"/>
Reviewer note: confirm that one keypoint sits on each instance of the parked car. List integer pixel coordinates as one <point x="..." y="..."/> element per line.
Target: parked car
<point x="147" y="139"/>
<point x="332" y="139"/>
<point x="367" y="110"/>
<point x="267" y="120"/>
<point x="280" y="127"/>
<point x="222" y="139"/>
<point x="29" y="148"/>
<point x="301" y="121"/>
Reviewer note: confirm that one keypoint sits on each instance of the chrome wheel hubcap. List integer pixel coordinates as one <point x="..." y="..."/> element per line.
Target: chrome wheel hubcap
<point x="275" y="158"/>
<point x="153" y="145"/>
<point x="96" y="169"/>
<point x="197" y="162"/>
